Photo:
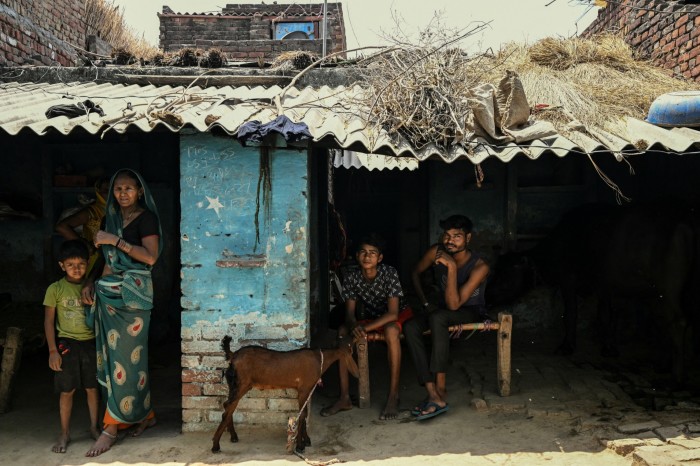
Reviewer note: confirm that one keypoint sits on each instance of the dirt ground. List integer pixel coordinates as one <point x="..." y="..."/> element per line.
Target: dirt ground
<point x="562" y="411"/>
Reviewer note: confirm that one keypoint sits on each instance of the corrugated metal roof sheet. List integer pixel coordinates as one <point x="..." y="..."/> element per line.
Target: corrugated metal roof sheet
<point x="333" y="115"/>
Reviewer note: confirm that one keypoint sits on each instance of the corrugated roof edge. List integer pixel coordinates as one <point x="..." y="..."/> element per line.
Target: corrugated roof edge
<point x="27" y="96"/>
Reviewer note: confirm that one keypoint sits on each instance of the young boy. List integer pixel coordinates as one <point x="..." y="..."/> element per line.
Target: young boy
<point x="73" y="356"/>
<point x="378" y="288"/>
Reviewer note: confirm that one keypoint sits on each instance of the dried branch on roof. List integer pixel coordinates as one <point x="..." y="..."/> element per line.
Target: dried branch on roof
<point x="421" y="91"/>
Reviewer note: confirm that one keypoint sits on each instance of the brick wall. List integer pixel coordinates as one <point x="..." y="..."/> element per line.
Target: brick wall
<point x="252" y="24"/>
<point x="36" y="33"/>
<point x="668" y="33"/>
<point x="252" y="49"/>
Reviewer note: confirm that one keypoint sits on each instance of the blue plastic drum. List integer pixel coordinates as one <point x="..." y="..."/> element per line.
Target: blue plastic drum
<point x="675" y="109"/>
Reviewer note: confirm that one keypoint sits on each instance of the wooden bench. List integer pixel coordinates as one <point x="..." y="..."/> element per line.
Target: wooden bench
<point x="504" y="327"/>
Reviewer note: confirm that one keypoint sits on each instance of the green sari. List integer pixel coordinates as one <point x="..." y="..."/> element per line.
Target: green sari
<point x="120" y="317"/>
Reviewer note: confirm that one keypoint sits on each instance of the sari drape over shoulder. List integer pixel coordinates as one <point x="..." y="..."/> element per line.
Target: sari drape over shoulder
<point x="121" y="317"/>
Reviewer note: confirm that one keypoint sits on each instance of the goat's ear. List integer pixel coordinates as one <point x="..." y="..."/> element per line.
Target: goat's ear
<point x="352" y="365"/>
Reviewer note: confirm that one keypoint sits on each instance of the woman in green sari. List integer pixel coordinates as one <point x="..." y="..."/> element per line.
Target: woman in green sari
<point x="131" y="241"/>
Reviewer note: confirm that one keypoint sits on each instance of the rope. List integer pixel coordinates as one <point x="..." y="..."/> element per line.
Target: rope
<point x="488" y="326"/>
<point x="317" y="463"/>
<point x="293" y="423"/>
<point x="312" y="390"/>
<point x="470" y="334"/>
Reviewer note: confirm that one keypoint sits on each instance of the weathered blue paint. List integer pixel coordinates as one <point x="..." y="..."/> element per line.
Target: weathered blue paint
<point x="253" y="303"/>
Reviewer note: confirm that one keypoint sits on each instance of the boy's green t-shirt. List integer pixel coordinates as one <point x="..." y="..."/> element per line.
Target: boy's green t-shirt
<point x="64" y="296"/>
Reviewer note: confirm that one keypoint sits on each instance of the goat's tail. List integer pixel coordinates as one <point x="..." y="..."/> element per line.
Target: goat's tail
<point x="226" y="345"/>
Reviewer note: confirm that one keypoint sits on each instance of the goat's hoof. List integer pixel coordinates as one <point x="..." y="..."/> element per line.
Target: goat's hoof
<point x="215" y="449"/>
<point x="300" y="448"/>
<point x="234" y="439"/>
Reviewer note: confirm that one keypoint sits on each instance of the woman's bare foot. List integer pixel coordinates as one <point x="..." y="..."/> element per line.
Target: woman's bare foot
<point x="340" y="405"/>
<point x="103" y="443"/>
<point x="391" y="410"/>
<point x="61" y="444"/>
<point x="143" y="425"/>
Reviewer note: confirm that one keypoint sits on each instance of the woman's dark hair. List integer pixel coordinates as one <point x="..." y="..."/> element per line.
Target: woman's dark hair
<point x="71" y="249"/>
<point x="371" y="239"/>
<point x="130" y="174"/>
<point x="457" y="222"/>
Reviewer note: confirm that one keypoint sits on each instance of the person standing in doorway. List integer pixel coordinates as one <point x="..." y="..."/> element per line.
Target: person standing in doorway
<point x="71" y="343"/>
<point x="87" y="220"/>
<point x="122" y="299"/>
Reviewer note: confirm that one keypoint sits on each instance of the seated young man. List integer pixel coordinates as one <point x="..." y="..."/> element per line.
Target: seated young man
<point x="378" y="288"/>
<point x="462" y="278"/>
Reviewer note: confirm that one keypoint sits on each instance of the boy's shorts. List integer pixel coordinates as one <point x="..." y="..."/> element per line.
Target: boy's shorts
<point x="79" y="364"/>
<point x="405" y="314"/>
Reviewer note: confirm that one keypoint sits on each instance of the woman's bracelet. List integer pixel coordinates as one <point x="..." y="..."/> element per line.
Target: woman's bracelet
<point x="123" y="245"/>
<point x="53" y="351"/>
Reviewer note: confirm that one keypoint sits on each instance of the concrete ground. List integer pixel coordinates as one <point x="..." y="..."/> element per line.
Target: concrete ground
<point x="563" y="411"/>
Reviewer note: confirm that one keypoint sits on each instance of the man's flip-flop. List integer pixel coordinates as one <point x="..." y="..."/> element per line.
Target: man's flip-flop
<point x="438" y="410"/>
<point x="419" y="408"/>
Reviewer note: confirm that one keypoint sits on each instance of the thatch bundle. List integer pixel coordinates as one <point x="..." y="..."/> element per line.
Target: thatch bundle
<point x="189" y="56"/>
<point x="562" y="54"/>
<point x="213" y="58"/>
<point x="582" y="83"/>
<point x="598" y="81"/>
<point x="123" y="57"/>
<point x="294" y="60"/>
<point x="106" y="20"/>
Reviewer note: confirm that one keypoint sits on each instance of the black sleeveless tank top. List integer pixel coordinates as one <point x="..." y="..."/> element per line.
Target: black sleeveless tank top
<point x="463" y="274"/>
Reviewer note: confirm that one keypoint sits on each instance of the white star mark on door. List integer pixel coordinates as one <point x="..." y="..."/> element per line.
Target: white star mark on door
<point x="214" y="204"/>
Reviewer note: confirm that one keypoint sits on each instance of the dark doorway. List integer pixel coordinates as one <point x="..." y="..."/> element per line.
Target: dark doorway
<point x="391" y="203"/>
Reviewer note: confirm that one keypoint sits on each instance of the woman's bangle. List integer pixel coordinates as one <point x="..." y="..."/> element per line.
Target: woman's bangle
<point x="124" y="246"/>
<point x="426" y="304"/>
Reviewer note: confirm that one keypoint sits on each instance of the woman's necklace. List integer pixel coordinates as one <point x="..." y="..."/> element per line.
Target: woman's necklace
<point x="128" y="217"/>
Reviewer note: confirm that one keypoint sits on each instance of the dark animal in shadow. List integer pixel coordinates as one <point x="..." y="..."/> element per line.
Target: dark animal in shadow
<point x="262" y="368"/>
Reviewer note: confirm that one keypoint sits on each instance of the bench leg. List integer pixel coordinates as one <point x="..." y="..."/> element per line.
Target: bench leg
<point x="505" y="322"/>
<point x="363" y="366"/>
<point x="11" y="357"/>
